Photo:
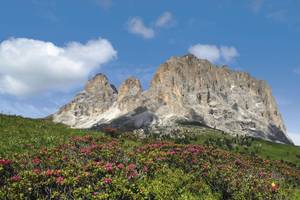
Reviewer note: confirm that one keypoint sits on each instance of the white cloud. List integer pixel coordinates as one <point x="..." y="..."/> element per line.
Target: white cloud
<point x="295" y="137"/>
<point x="214" y="53"/>
<point x="165" y="20"/>
<point x="136" y="26"/>
<point x="228" y="53"/>
<point x="29" y="66"/>
<point x="209" y="52"/>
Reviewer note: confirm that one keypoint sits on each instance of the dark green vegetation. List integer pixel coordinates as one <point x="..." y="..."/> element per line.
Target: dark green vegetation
<point x="42" y="160"/>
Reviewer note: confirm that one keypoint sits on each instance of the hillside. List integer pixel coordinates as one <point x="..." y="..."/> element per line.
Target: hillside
<point x="40" y="159"/>
<point x="22" y="135"/>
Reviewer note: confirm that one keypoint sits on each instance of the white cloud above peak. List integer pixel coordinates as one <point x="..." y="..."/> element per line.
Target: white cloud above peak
<point x="137" y="26"/>
<point x="29" y="67"/>
<point x="228" y="53"/>
<point x="213" y="53"/>
<point x="205" y="51"/>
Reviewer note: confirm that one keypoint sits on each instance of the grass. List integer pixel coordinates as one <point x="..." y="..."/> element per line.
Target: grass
<point x="274" y="151"/>
<point x="265" y="149"/>
<point x="21" y="135"/>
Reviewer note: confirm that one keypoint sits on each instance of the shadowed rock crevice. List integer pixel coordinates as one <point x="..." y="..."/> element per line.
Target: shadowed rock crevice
<point x="139" y="118"/>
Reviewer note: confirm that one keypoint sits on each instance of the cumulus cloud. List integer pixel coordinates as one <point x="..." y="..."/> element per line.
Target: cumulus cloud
<point x="29" y="66"/>
<point x="214" y="53"/>
<point x="165" y="20"/>
<point x="295" y="137"/>
<point x="137" y="26"/>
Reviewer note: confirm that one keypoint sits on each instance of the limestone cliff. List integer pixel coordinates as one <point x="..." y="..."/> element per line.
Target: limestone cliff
<point x="183" y="89"/>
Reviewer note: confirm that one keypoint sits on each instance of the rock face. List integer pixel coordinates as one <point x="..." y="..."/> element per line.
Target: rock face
<point x="98" y="96"/>
<point x="183" y="89"/>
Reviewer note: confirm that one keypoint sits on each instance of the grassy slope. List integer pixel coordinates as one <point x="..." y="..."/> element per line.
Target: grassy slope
<point x="22" y="135"/>
<point x="265" y="149"/>
<point x="19" y="135"/>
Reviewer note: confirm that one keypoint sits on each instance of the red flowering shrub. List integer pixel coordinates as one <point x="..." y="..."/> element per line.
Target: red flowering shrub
<point x="107" y="180"/>
<point x="105" y="168"/>
<point x="120" y="166"/>
<point x="15" y="178"/>
<point x="60" y="180"/>
<point x="36" y="161"/>
<point x="5" y="162"/>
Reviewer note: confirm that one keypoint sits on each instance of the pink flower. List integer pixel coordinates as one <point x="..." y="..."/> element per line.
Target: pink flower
<point x="195" y="149"/>
<point x="49" y="172"/>
<point x="171" y="152"/>
<point x="36" y="171"/>
<point x="86" y="150"/>
<point x="15" y="178"/>
<point x="145" y="169"/>
<point x="238" y="162"/>
<point x="36" y="161"/>
<point x="57" y="172"/>
<point x="59" y="180"/>
<point x="133" y="175"/>
<point x="205" y="174"/>
<point x="107" y="180"/>
<point x="262" y="174"/>
<point x="120" y="166"/>
<point x="108" y="167"/>
<point x="131" y="167"/>
<point x="5" y="162"/>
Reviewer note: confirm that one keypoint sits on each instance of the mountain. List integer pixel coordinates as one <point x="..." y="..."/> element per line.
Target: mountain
<point x="183" y="90"/>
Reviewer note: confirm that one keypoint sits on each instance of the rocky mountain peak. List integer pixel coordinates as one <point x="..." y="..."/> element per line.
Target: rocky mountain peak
<point x="182" y="89"/>
<point x="99" y="83"/>
<point x="130" y="87"/>
<point x="130" y="92"/>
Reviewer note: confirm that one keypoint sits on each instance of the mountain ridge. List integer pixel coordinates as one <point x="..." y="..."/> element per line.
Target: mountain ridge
<point x="182" y="89"/>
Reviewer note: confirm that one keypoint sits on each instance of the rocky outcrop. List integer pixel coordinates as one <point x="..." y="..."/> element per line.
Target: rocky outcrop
<point x="97" y="98"/>
<point x="130" y="94"/>
<point x="183" y="89"/>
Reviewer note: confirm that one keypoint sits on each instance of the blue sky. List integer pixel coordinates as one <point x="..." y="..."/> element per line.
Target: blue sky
<point x="257" y="36"/>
